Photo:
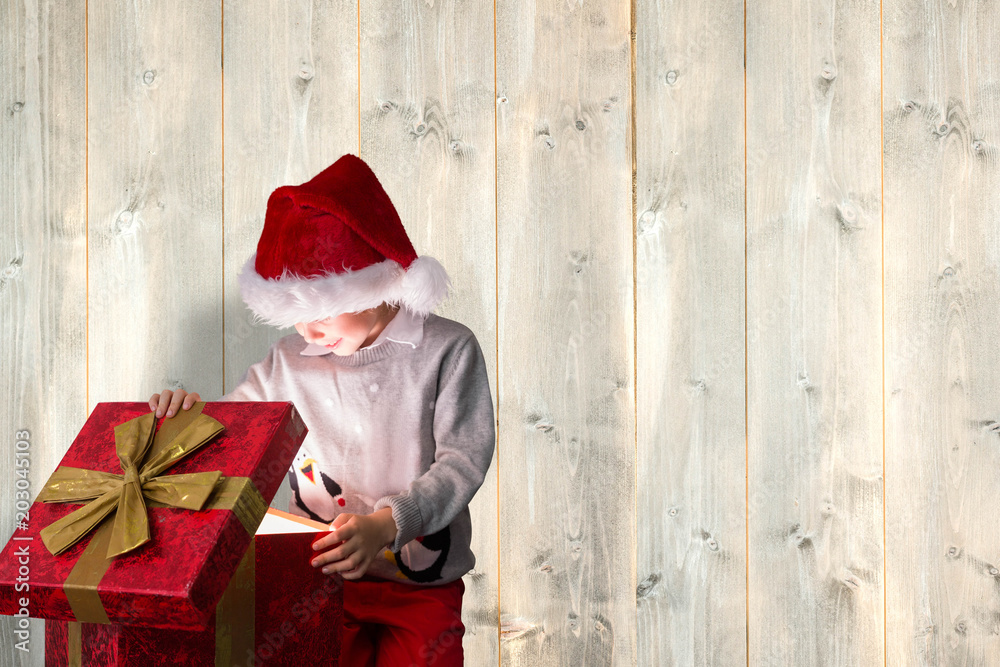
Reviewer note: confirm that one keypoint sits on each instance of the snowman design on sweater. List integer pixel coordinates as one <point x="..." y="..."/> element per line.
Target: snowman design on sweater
<point x="322" y="498"/>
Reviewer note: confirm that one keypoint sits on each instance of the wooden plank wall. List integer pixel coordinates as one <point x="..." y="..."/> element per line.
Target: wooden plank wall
<point x="814" y="395"/>
<point x="43" y="256"/>
<point x="941" y="118"/>
<point x="690" y="399"/>
<point x="566" y="328"/>
<point x="734" y="267"/>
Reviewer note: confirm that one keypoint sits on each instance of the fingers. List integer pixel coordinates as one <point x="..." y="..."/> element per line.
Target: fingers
<point x="168" y="402"/>
<point x="351" y="567"/>
<point x="340" y="531"/>
<point x="356" y="573"/>
<point x="164" y="402"/>
<point x="348" y="548"/>
<point x="344" y="557"/>
<point x="327" y="542"/>
<point x="341" y="534"/>
<point x="175" y="402"/>
<point x="333" y="544"/>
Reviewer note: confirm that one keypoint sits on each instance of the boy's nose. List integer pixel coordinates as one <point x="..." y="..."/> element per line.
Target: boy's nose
<point x="313" y="334"/>
<point x="309" y="333"/>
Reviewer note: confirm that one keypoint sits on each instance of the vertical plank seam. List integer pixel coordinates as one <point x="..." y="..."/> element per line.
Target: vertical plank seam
<point x="746" y="353"/>
<point x="496" y="302"/>
<point x="634" y="635"/>
<point x="86" y="206"/>
<point x="881" y="125"/>
<point x="358" y="4"/>
<point x="222" y="68"/>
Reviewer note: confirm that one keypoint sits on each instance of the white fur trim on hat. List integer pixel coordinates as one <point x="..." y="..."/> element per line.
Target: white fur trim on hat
<point x="291" y="299"/>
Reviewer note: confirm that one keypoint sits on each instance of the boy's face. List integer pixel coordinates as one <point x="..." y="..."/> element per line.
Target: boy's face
<point x="343" y="334"/>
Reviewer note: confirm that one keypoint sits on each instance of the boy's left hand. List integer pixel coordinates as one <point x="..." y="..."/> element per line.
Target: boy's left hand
<point x="357" y="539"/>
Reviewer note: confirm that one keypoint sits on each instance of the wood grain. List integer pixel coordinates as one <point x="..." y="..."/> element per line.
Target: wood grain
<point x="43" y="262"/>
<point x="155" y="199"/>
<point x="566" y="334"/>
<point x="690" y="496"/>
<point x="814" y="419"/>
<point x="942" y="391"/>
<point x="730" y="509"/>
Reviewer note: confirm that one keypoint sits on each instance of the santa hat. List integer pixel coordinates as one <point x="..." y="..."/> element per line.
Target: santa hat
<point x="333" y="245"/>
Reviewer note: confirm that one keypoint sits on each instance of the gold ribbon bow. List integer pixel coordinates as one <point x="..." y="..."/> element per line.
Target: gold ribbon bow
<point x="125" y="492"/>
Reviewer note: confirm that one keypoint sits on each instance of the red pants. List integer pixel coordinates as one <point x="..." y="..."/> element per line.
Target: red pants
<point x="394" y="624"/>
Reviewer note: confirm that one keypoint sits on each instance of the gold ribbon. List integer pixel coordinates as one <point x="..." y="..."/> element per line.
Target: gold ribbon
<point x="237" y="494"/>
<point x="74" y="644"/>
<point x="141" y="478"/>
<point x="235" y="633"/>
<point x="234" y="615"/>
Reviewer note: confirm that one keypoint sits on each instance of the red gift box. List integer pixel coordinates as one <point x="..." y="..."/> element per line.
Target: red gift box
<point x="176" y="578"/>
<point x="278" y="610"/>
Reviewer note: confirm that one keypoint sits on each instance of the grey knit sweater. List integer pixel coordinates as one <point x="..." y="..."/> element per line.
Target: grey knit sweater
<point x="406" y="422"/>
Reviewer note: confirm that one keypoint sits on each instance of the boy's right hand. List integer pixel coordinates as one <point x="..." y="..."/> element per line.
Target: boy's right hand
<point x="168" y="401"/>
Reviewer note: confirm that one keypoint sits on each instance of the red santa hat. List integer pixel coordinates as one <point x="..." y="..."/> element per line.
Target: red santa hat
<point x="333" y="245"/>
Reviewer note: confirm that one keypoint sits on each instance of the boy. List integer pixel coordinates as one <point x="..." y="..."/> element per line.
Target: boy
<point x="397" y="401"/>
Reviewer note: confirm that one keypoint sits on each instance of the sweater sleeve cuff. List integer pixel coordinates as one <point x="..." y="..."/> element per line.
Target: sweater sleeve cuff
<point x="406" y="514"/>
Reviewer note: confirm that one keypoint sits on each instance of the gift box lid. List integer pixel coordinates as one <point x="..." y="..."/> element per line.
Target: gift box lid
<point x="176" y="577"/>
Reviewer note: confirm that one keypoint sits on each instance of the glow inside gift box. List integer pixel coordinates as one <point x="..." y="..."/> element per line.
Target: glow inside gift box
<point x="278" y="610"/>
